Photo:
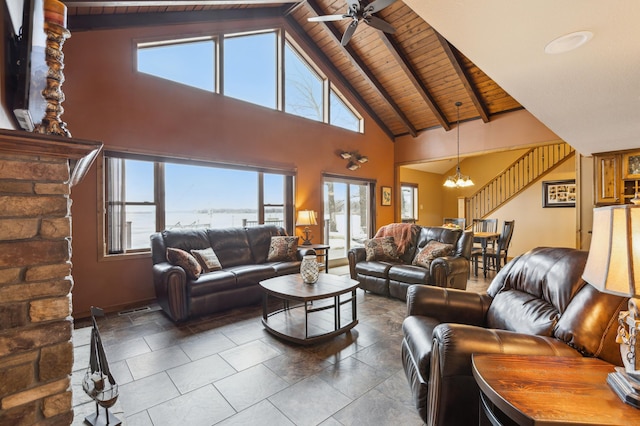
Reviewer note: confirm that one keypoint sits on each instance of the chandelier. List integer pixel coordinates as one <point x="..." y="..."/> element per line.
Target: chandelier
<point x="458" y="180"/>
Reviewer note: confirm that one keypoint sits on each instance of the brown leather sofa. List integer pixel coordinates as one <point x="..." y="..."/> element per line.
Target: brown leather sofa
<point x="537" y="304"/>
<point x="394" y="278"/>
<point x="242" y="253"/>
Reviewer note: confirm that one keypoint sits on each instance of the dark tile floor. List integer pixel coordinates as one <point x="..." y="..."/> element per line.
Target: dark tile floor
<point x="227" y="370"/>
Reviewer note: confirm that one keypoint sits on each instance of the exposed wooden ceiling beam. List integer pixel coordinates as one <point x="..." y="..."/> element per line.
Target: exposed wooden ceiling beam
<point x="167" y="3"/>
<point x="124" y="20"/>
<point x="464" y="78"/>
<point x="310" y="44"/>
<point x="364" y="70"/>
<point x="395" y="50"/>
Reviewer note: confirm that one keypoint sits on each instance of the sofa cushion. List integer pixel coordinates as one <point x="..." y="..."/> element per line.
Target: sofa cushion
<point x="374" y="269"/>
<point x="586" y="324"/>
<point x="212" y="282"/>
<point x="260" y="239"/>
<point x="409" y="274"/>
<point x="207" y="259"/>
<point x="186" y="239"/>
<point x="282" y="249"/>
<point x="231" y="246"/>
<point x="382" y="249"/>
<point x="432" y="250"/>
<point x="250" y="275"/>
<point x="522" y="312"/>
<point x="181" y="258"/>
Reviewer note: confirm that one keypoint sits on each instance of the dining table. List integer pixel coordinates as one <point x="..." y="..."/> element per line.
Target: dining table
<point x="484" y="239"/>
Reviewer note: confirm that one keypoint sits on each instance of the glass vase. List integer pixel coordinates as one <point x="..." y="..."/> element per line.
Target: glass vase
<point x="309" y="269"/>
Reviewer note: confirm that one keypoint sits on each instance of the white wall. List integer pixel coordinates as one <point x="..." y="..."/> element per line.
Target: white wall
<point x="536" y="226"/>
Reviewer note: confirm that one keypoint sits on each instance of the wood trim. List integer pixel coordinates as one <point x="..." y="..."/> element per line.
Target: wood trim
<point x="466" y="81"/>
<point x="80" y="153"/>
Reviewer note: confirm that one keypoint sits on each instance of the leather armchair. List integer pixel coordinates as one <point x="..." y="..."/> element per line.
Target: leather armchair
<point x="537" y="305"/>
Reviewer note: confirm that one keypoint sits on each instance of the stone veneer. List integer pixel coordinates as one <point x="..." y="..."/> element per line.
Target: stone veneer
<point x="36" y="351"/>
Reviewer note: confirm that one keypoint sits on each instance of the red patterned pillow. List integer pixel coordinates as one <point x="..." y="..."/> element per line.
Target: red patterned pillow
<point x="381" y="249"/>
<point x="185" y="260"/>
<point x="207" y="259"/>
<point x="432" y="250"/>
<point x="282" y="249"/>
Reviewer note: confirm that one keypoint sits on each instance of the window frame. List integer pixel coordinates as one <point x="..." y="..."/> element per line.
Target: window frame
<point x="159" y="195"/>
<point x="415" y="199"/>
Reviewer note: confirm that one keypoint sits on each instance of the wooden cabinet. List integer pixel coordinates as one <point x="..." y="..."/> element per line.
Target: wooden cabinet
<point x="608" y="177"/>
<point x="617" y="177"/>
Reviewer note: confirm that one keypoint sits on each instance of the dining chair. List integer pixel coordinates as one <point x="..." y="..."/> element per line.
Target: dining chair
<point x="483" y="225"/>
<point x="461" y="222"/>
<point x="497" y="256"/>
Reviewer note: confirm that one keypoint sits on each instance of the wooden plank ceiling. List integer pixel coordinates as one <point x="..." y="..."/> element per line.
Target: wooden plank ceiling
<point x="408" y="81"/>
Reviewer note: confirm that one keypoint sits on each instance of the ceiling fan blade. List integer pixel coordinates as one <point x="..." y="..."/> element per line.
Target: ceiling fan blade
<point x="327" y="18"/>
<point x="349" y="32"/>
<point x="379" y="24"/>
<point x="377" y="5"/>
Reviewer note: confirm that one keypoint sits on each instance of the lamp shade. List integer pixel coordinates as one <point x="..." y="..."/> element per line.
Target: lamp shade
<point x="613" y="265"/>
<point x="306" y="218"/>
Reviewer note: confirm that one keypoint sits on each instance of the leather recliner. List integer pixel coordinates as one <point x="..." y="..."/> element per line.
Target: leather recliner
<point x="537" y="304"/>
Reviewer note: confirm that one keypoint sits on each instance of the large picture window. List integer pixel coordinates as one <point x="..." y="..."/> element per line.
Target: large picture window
<point x="265" y="68"/>
<point x="144" y="196"/>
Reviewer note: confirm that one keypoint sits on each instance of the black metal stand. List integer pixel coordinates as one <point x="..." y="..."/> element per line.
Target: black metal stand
<point x="104" y="419"/>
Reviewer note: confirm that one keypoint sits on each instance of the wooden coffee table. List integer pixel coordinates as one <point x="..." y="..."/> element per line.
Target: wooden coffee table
<point x="548" y="390"/>
<point x="294" y="322"/>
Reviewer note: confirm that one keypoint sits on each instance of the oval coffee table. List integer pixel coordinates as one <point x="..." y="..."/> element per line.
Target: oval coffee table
<point x="326" y="299"/>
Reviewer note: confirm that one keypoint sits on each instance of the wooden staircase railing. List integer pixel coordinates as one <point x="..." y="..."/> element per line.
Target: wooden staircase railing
<point x="521" y="174"/>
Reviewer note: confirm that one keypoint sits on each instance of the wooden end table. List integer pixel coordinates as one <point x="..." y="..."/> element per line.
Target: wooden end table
<point x="548" y="390"/>
<point x="292" y="321"/>
<point x="322" y="251"/>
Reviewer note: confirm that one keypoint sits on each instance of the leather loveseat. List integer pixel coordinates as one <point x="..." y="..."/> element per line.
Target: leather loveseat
<point x="537" y="304"/>
<point x="393" y="278"/>
<point x="242" y="254"/>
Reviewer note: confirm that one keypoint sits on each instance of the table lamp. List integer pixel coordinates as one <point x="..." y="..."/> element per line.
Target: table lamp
<point x="306" y="218"/>
<point x="613" y="266"/>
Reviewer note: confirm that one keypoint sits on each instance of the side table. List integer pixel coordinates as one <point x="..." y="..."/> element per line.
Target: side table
<point x="548" y="390"/>
<point x="322" y="251"/>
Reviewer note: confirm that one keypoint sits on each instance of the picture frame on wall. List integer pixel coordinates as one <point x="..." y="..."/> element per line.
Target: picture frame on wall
<point x="386" y="196"/>
<point x="559" y="193"/>
<point x="631" y="165"/>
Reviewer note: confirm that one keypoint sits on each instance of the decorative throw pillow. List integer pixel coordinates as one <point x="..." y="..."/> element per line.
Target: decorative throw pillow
<point x="282" y="249"/>
<point x="433" y="249"/>
<point x="381" y="249"/>
<point x="185" y="260"/>
<point x="207" y="259"/>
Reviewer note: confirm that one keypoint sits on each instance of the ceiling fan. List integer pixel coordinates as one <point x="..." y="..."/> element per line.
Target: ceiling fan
<point x="360" y="12"/>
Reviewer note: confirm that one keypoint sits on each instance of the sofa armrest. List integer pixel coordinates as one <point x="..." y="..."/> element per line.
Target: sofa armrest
<point x="443" y="269"/>
<point x="447" y="304"/>
<point x="355" y="255"/>
<point x="170" y="283"/>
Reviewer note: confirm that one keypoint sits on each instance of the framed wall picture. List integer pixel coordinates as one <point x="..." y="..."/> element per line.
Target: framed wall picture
<point x="386" y="195"/>
<point x="559" y="193"/>
<point x="631" y="165"/>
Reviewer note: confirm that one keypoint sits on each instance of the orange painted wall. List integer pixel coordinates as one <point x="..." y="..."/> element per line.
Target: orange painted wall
<point x="503" y="132"/>
<point x="110" y="102"/>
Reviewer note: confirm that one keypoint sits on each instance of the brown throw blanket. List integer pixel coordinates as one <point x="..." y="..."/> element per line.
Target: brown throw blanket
<point x="401" y="233"/>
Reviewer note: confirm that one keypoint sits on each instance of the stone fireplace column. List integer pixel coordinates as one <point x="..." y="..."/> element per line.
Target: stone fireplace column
<point x="36" y="351"/>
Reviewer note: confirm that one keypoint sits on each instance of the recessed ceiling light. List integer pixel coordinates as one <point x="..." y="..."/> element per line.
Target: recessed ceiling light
<point x="568" y="42"/>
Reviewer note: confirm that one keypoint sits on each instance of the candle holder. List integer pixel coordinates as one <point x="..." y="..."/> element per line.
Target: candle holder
<point x="52" y="124"/>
